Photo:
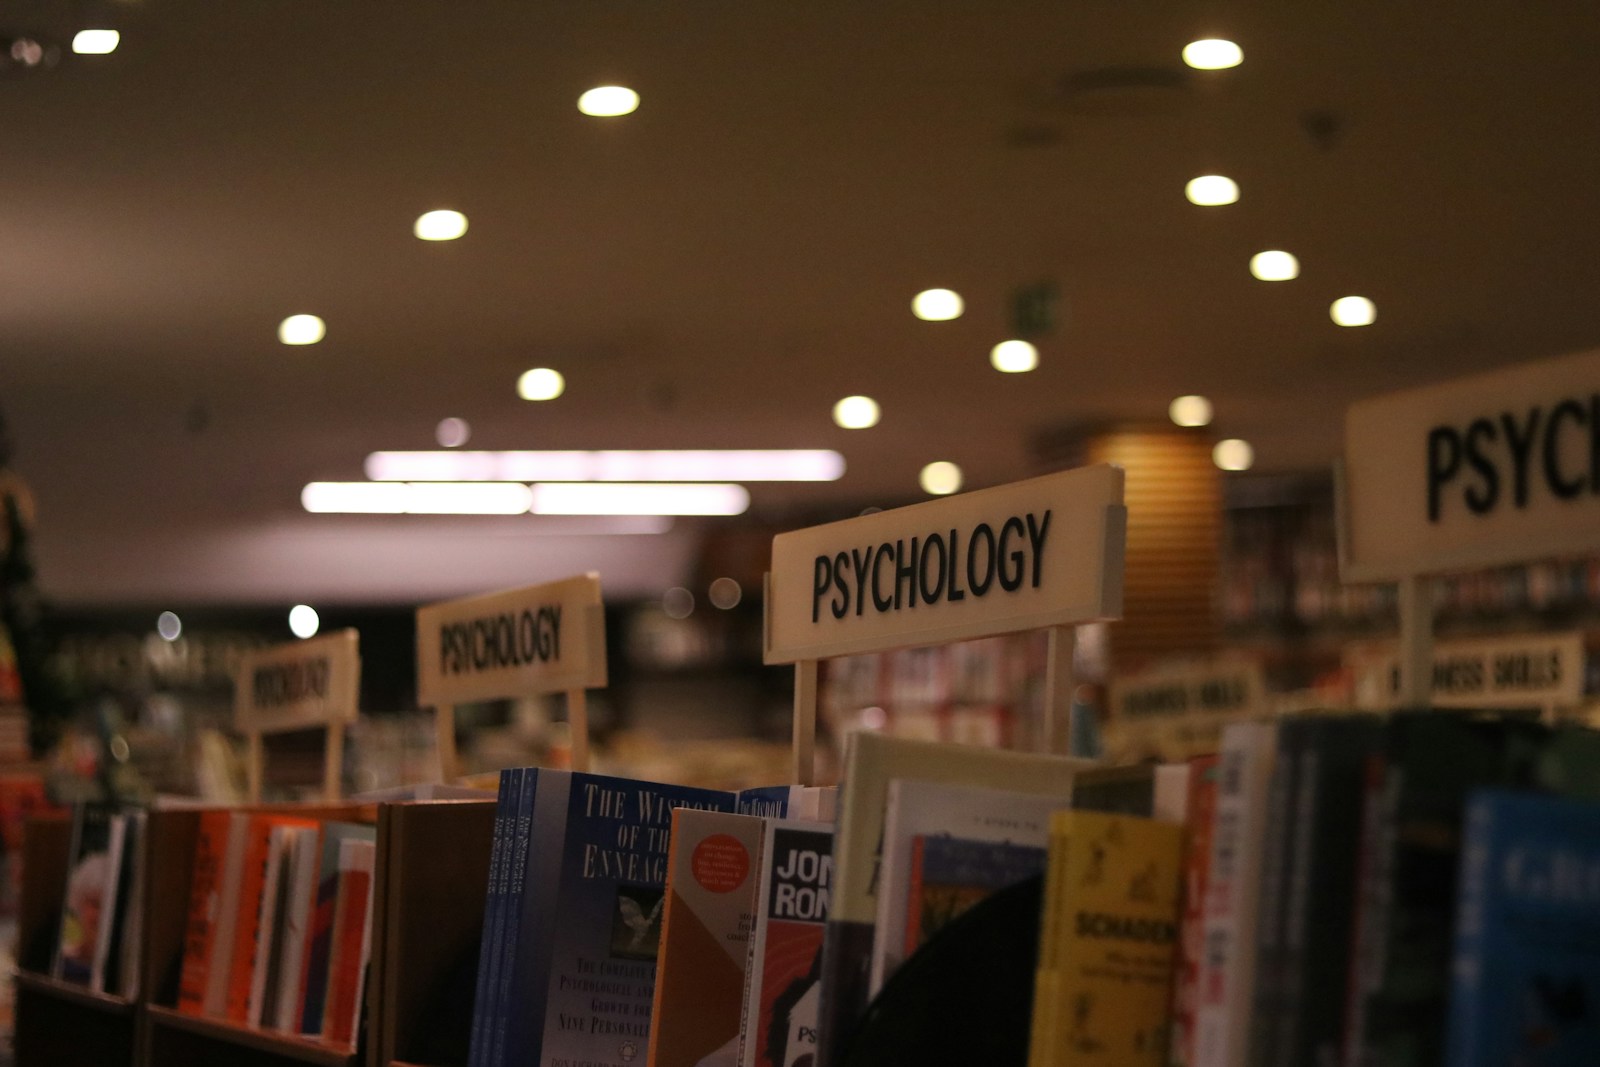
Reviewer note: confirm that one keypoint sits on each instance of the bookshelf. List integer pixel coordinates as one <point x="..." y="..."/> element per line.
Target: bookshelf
<point x="58" y="1023"/>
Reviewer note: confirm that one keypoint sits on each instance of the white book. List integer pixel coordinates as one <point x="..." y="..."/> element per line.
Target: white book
<point x="784" y="960"/>
<point x="303" y="876"/>
<point x="274" y="893"/>
<point x="919" y="808"/>
<point x="108" y="903"/>
<point x="1228" y="965"/>
<point x="226" y="918"/>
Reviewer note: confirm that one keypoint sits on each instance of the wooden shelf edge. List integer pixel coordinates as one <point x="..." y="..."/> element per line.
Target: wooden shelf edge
<point x="297" y="1048"/>
<point x="108" y="1003"/>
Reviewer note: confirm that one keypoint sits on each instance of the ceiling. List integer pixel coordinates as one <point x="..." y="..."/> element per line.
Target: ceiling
<point x="718" y="268"/>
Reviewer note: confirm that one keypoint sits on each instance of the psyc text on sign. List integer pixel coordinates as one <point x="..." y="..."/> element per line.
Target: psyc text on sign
<point x="499" y="641"/>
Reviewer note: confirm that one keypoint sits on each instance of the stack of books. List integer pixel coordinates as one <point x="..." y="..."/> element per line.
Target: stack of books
<point x="280" y="923"/>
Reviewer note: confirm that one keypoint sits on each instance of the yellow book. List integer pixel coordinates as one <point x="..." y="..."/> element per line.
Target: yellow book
<point x="1107" y="942"/>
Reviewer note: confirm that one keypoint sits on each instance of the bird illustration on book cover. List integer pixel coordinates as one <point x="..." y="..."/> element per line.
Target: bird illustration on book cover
<point x="636" y="930"/>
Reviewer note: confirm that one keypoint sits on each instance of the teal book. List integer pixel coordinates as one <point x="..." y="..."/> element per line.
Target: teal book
<point x="581" y="983"/>
<point x="1525" y="978"/>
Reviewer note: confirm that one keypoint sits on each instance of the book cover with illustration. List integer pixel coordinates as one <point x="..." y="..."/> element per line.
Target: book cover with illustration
<point x="973" y="814"/>
<point x="871" y="762"/>
<point x="1108" y="936"/>
<point x="713" y="872"/>
<point x="583" y="976"/>
<point x="1525" y="977"/>
<point x="785" y="970"/>
<point x="313" y="985"/>
<point x="951" y="874"/>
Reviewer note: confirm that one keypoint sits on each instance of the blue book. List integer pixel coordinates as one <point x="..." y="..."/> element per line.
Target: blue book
<point x="483" y="1001"/>
<point x="1525" y="977"/>
<point x="508" y="921"/>
<point x="581" y="982"/>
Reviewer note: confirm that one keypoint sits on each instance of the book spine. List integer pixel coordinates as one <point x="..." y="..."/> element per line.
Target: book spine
<point x="1372" y="906"/>
<point x="1283" y="818"/>
<point x="344" y="992"/>
<point x="111" y="895"/>
<point x="913" y="930"/>
<point x="201" y="927"/>
<point x="248" y="927"/>
<point x="319" y="952"/>
<point x="1201" y="811"/>
<point x="755" y="957"/>
<point x="1468" y="962"/>
<point x="225" y="918"/>
<point x="530" y="933"/>
<point x="1291" y="977"/>
<point x="505" y="1014"/>
<point x="493" y="917"/>
<point x="1042" y="1032"/>
<point x="1227" y="976"/>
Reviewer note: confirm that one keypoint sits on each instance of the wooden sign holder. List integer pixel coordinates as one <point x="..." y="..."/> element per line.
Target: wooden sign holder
<point x="576" y="701"/>
<point x="540" y="639"/>
<point x="331" y="714"/>
<point x="1085" y="568"/>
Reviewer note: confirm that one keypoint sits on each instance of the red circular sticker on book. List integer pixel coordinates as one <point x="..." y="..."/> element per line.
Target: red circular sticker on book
<point x="720" y="863"/>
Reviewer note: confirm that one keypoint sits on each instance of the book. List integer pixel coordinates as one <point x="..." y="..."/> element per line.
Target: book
<point x="871" y="762"/>
<point x="1201" y="809"/>
<point x="1149" y="790"/>
<point x="299" y="904"/>
<point x="788" y="802"/>
<point x="105" y="946"/>
<point x="1320" y="885"/>
<point x="917" y="809"/>
<point x="1525" y="969"/>
<point x="1227" y="974"/>
<point x="320" y="935"/>
<point x="281" y="845"/>
<point x="581" y="983"/>
<point x="200" y="929"/>
<point x="950" y="875"/>
<point x="779" y="1027"/>
<point x="84" y="900"/>
<point x="129" y="939"/>
<point x="352" y="935"/>
<point x="1403" y="937"/>
<point x="249" y="936"/>
<point x="1102" y="995"/>
<point x="489" y="942"/>
<point x="713" y="874"/>
<point x="225" y="915"/>
<point x="504" y="914"/>
<point x="1263" y="1040"/>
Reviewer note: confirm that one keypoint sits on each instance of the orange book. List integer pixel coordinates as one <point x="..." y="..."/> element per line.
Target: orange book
<point x="248" y="934"/>
<point x="199" y="933"/>
<point x="352" y="942"/>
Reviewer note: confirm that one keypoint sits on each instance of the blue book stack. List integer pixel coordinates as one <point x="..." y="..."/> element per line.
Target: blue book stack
<point x="1525" y="984"/>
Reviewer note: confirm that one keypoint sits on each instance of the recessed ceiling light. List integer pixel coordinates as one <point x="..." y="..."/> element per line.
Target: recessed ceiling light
<point x="96" y="42"/>
<point x="1233" y="455"/>
<point x="1212" y="190"/>
<point x="303" y="621"/>
<point x="302" y="330"/>
<point x="452" y="433"/>
<point x="541" y="383"/>
<point x="937" y="305"/>
<point x="1190" y="411"/>
<point x="441" y="225"/>
<point x="1354" y="311"/>
<point x="1274" y="266"/>
<point x="856" y="412"/>
<point x="725" y="594"/>
<point x="169" y="626"/>
<point x="608" y="101"/>
<point x="940" y="479"/>
<point x="1013" y="357"/>
<point x="1212" y="53"/>
<point x="688" y="465"/>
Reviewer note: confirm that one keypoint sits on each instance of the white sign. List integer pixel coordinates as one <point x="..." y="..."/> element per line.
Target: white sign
<point x="539" y="639"/>
<point x="1043" y="552"/>
<point x="300" y="685"/>
<point x="1215" y="688"/>
<point x="1537" y="670"/>
<point x="1493" y="469"/>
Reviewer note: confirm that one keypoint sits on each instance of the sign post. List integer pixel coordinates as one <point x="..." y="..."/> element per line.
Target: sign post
<point x="1045" y="553"/>
<point x="1488" y="470"/>
<point x="539" y="639"/>
<point x="300" y="685"/>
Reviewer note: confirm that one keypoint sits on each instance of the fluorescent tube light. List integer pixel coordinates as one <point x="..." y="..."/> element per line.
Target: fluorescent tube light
<point x="750" y="465"/>
<point x="620" y="498"/>
<point x="416" y="498"/>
